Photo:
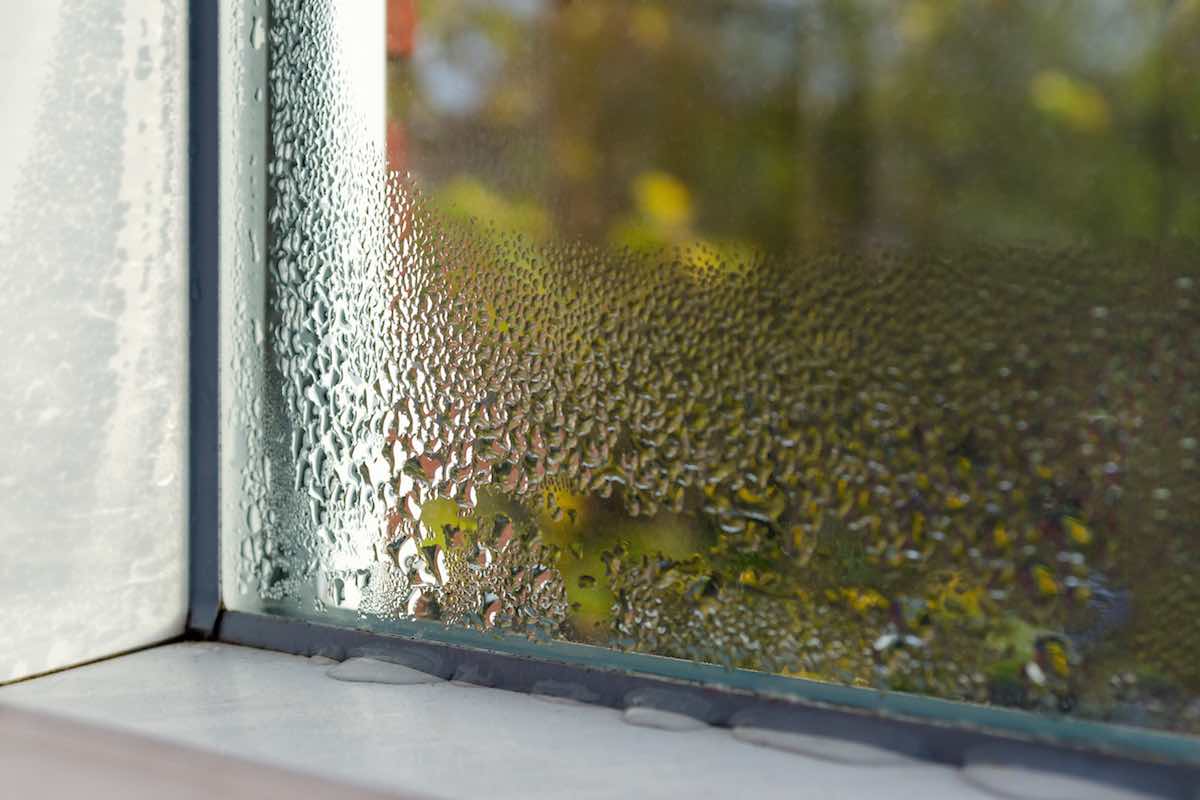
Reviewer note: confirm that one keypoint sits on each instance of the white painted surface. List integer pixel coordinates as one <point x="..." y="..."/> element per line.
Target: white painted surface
<point x="51" y="758"/>
<point x="440" y="739"/>
<point x="93" y="311"/>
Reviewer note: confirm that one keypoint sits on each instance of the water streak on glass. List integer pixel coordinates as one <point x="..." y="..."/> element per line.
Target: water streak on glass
<point x="845" y="340"/>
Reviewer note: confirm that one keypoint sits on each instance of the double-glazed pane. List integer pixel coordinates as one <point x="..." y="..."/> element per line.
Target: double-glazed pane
<point x="845" y="340"/>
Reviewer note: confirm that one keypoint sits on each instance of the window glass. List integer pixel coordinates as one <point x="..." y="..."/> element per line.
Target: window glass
<point x="849" y="341"/>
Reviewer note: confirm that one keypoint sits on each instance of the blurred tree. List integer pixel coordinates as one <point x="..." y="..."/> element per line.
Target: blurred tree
<point x="771" y="147"/>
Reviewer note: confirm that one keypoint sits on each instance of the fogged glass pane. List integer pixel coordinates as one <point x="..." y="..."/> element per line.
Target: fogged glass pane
<point x="844" y="340"/>
<point x="93" y="330"/>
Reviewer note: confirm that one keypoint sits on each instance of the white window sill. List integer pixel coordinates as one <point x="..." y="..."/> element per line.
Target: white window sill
<point x="442" y="739"/>
<point x="257" y="717"/>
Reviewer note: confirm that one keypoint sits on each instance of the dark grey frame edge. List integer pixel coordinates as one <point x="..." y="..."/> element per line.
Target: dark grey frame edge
<point x="204" y="552"/>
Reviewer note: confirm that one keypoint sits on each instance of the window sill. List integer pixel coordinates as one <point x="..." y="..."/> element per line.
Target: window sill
<point x="439" y="739"/>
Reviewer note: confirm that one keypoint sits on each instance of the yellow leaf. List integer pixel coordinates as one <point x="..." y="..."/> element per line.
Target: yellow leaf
<point x="918" y="525"/>
<point x="798" y="536"/>
<point x="1001" y="537"/>
<point x="650" y="26"/>
<point x="1069" y="100"/>
<point x="1044" y="580"/>
<point x="663" y="199"/>
<point x="1077" y="530"/>
<point x="1056" y="656"/>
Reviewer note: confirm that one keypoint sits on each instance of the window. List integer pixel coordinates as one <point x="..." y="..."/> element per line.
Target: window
<point x="790" y="346"/>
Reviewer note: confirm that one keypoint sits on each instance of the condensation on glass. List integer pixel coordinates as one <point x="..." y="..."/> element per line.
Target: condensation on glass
<point x="93" y="329"/>
<point x="844" y="340"/>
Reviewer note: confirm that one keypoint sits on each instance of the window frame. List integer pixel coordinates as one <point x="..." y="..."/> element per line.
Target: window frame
<point x="220" y="196"/>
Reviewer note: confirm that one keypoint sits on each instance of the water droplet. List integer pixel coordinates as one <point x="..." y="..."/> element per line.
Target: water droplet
<point x="258" y="33"/>
<point x="371" y="670"/>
